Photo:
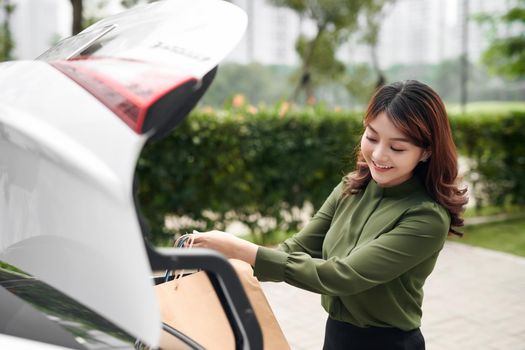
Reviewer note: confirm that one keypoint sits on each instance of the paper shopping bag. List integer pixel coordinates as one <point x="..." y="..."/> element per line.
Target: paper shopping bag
<point x="191" y="306"/>
<point x="272" y="333"/>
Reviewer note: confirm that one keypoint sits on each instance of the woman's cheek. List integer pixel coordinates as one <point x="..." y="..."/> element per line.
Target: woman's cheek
<point x="365" y="148"/>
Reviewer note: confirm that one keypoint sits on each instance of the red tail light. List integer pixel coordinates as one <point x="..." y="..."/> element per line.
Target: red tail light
<point x="131" y="88"/>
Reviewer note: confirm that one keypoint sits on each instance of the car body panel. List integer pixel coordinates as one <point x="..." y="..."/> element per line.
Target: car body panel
<point x="67" y="163"/>
<point x="66" y="200"/>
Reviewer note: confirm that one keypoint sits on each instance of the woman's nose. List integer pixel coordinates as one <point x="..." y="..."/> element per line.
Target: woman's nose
<point x="379" y="153"/>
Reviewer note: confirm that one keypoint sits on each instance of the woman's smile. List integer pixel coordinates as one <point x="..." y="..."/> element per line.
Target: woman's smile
<point x="380" y="167"/>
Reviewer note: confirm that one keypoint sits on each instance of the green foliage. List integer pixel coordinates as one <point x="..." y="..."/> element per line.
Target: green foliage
<point x="327" y="67"/>
<point x="131" y="3"/>
<point x="486" y="107"/>
<point x="299" y="6"/>
<point x="506" y="55"/>
<point x="335" y="21"/>
<point x="6" y="46"/>
<point x="493" y="211"/>
<point x="220" y="167"/>
<point x="270" y="84"/>
<point x="494" y="144"/>
<point x="244" y="167"/>
<point x="361" y="83"/>
<point x="258" y="83"/>
<point x="6" y="38"/>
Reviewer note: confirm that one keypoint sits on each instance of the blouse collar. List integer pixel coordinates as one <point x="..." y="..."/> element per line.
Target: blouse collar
<point x="409" y="186"/>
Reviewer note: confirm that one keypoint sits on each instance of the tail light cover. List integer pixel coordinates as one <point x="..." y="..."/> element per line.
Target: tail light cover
<point x="127" y="87"/>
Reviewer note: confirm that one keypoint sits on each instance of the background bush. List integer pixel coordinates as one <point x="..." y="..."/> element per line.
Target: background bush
<point x="246" y="165"/>
<point x="495" y="147"/>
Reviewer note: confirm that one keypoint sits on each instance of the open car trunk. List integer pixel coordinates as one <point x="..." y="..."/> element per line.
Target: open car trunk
<point x="72" y="126"/>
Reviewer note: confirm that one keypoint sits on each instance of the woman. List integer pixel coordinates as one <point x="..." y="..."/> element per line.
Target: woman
<point x="370" y="247"/>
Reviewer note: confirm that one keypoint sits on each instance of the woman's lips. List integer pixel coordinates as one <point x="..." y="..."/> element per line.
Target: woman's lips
<point x="381" y="168"/>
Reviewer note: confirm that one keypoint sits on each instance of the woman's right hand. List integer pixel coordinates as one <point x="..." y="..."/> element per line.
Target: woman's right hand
<point x="226" y="243"/>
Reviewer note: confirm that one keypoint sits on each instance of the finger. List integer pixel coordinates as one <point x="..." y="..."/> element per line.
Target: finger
<point x="190" y="242"/>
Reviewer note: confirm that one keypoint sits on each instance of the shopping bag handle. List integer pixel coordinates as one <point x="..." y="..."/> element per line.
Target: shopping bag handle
<point x="179" y="243"/>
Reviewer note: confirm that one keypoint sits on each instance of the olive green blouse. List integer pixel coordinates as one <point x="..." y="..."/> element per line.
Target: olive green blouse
<point x="368" y="254"/>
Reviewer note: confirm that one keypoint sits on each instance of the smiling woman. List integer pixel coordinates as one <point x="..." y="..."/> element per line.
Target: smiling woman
<point x="413" y="136"/>
<point x="375" y="240"/>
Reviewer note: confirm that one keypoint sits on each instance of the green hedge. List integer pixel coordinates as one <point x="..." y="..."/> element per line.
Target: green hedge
<point x="495" y="147"/>
<point x="220" y="167"/>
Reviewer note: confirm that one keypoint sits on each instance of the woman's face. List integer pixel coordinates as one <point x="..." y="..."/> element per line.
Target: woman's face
<point x="389" y="154"/>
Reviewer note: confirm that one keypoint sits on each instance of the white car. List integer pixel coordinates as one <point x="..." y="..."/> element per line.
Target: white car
<point x="76" y="270"/>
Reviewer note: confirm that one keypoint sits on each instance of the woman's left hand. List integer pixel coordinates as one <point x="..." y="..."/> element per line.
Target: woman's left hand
<point x="226" y="243"/>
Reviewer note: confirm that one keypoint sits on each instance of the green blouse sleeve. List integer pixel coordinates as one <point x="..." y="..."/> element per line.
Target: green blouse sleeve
<point x="420" y="233"/>
<point x="310" y="239"/>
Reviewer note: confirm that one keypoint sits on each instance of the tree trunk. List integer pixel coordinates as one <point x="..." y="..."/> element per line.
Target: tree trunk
<point x="305" y="82"/>
<point x="381" y="80"/>
<point x="77" y="16"/>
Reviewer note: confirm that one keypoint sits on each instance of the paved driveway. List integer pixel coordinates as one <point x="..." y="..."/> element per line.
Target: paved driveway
<point x="475" y="299"/>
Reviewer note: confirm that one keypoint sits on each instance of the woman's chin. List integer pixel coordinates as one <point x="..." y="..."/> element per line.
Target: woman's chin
<point x="387" y="178"/>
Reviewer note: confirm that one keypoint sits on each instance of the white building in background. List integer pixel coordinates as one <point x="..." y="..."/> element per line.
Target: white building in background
<point x="270" y="36"/>
<point x="413" y="31"/>
<point x="409" y="34"/>
<point x="38" y="24"/>
<point x="430" y="31"/>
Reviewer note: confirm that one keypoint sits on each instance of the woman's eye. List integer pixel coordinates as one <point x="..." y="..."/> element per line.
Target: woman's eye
<point x="397" y="149"/>
<point x="370" y="139"/>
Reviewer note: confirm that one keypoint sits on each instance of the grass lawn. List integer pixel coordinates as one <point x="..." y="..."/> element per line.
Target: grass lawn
<point x="506" y="236"/>
<point x="494" y="210"/>
<point x="487" y="107"/>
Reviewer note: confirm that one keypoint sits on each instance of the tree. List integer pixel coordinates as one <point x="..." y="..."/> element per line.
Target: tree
<point x="80" y="20"/>
<point x="78" y="9"/>
<point x="6" y="39"/>
<point x="506" y="55"/>
<point x="359" y="82"/>
<point x="374" y="14"/>
<point x="320" y="64"/>
<point x="335" y="21"/>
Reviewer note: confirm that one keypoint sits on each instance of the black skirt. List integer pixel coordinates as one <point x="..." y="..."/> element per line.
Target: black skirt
<point x="342" y="335"/>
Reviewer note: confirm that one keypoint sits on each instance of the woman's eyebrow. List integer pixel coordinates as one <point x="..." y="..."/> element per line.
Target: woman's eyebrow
<point x="402" y="139"/>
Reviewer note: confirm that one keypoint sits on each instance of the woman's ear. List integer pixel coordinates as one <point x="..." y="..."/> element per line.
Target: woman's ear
<point x="424" y="157"/>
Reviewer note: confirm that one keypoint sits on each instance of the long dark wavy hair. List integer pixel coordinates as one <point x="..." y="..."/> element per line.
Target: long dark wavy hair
<point x="419" y="113"/>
